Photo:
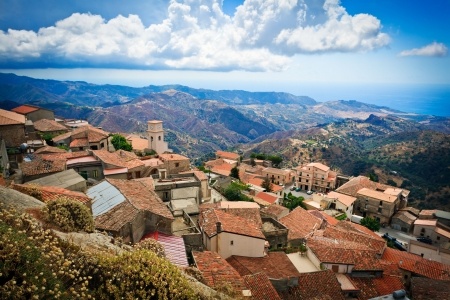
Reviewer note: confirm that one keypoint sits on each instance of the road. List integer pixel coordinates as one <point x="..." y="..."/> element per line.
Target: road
<point x="401" y="236"/>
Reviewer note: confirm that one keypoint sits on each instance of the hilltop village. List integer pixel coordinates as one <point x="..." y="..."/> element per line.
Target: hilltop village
<point x="262" y="247"/>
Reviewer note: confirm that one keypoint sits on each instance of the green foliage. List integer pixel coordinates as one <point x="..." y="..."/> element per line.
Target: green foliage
<point x="391" y="182"/>
<point x="64" y="147"/>
<point x="152" y="152"/>
<point x="373" y="177"/>
<point x="69" y="215"/>
<point x="370" y="223"/>
<point x="234" y="172"/>
<point x="341" y="217"/>
<point x="234" y="192"/>
<point x="120" y="142"/>
<point x="275" y="159"/>
<point x="266" y="184"/>
<point x="290" y="201"/>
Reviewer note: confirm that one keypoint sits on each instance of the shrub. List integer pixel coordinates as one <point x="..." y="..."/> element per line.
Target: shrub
<point x="69" y="215"/>
<point x="152" y="245"/>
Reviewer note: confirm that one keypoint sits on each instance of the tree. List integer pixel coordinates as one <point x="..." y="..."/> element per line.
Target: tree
<point x="266" y="184"/>
<point x="290" y="201"/>
<point x="275" y="159"/>
<point x="234" y="172"/>
<point x="120" y="142"/>
<point x="370" y="223"/>
<point x="233" y="192"/>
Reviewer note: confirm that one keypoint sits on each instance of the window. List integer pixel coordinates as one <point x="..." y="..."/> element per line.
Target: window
<point x="422" y="230"/>
<point x="335" y="268"/>
<point x="438" y="238"/>
<point x="102" y="145"/>
<point x="159" y="138"/>
<point x="177" y="165"/>
<point x="166" y="195"/>
<point x="94" y="173"/>
<point x="138" y="174"/>
<point x="379" y="209"/>
<point x="231" y="243"/>
<point x="381" y="203"/>
<point x="129" y="176"/>
<point x="151" y="139"/>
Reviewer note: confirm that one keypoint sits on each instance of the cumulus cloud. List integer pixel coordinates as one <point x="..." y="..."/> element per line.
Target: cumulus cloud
<point x="198" y="35"/>
<point x="433" y="49"/>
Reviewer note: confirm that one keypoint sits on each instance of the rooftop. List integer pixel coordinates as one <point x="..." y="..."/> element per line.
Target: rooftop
<point x="216" y="271"/>
<point x="25" y="109"/>
<point x="300" y="223"/>
<point x="376" y="195"/>
<point x="228" y="155"/>
<point x="11" y="118"/>
<point x="261" y="287"/>
<point x="45" y="125"/>
<point x="355" y="184"/>
<point x="173" y="246"/>
<point x="344" y="199"/>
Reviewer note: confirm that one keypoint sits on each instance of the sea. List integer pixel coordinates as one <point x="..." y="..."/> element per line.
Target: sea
<point x="420" y="98"/>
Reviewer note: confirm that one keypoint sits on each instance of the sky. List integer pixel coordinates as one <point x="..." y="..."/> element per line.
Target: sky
<point x="321" y="48"/>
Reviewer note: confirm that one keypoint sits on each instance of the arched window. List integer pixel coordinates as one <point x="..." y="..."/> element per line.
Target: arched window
<point x="159" y="138"/>
<point x="151" y="139"/>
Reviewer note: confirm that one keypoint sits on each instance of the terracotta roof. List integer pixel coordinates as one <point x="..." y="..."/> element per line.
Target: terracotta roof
<point x="347" y="231"/>
<point x="267" y="197"/>
<point x="216" y="271"/>
<point x="427" y="213"/>
<point x="321" y="285"/>
<point x="344" y="199"/>
<point x="411" y="210"/>
<point x="172" y="157"/>
<point x="62" y="137"/>
<point x="442" y="232"/>
<point x="141" y="197"/>
<point x="417" y="265"/>
<point x="276" y="171"/>
<point x="426" y="289"/>
<point x="355" y="184"/>
<point x="137" y="142"/>
<point x="276" y="265"/>
<point x="276" y="188"/>
<point x="25" y="109"/>
<point x="324" y="216"/>
<point x="49" y="149"/>
<point x="227" y="155"/>
<point x="81" y="142"/>
<point x="230" y="223"/>
<point x="319" y="166"/>
<point x="377" y="287"/>
<point x="275" y="210"/>
<point x="300" y="223"/>
<point x="335" y="251"/>
<point x="116" y="217"/>
<point x="261" y="287"/>
<point x="45" y="125"/>
<point x="376" y="195"/>
<point x="51" y="193"/>
<point x="251" y="214"/>
<point x="11" y="118"/>
<point x="425" y="222"/>
<point x="40" y="166"/>
<point x="119" y="158"/>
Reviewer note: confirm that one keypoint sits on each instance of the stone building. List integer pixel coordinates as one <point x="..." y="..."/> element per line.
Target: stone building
<point x="155" y="135"/>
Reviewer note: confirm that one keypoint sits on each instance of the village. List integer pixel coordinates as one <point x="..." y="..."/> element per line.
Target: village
<point x="260" y="247"/>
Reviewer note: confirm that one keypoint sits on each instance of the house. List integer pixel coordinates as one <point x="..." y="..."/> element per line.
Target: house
<point x="88" y="166"/>
<point x="354" y="185"/>
<point x="120" y="164"/>
<point x="229" y="235"/>
<point x="175" y="163"/>
<point x="83" y="138"/>
<point x="41" y="166"/>
<point x="228" y="155"/>
<point x="217" y="273"/>
<point x="275" y="265"/>
<point x="301" y="225"/>
<point x="276" y="233"/>
<point x="266" y="199"/>
<point x="437" y="252"/>
<point x="51" y="128"/>
<point x="315" y="285"/>
<point x="155" y="137"/>
<point x="274" y="211"/>
<point x="278" y="176"/>
<point x="129" y="209"/>
<point x="341" y="202"/>
<point x="378" y="205"/>
<point x="316" y="177"/>
<point x="34" y="113"/>
<point x="12" y="128"/>
<point x="260" y="287"/>
<point x="221" y="166"/>
<point x="181" y="191"/>
<point x="437" y="232"/>
<point x="403" y="220"/>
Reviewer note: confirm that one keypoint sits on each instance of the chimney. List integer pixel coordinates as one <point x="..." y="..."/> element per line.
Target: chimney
<point x="219" y="227"/>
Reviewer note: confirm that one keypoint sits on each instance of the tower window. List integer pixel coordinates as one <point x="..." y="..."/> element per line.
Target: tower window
<point x="159" y="138"/>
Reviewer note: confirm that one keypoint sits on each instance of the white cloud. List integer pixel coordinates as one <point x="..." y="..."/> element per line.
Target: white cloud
<point x="197" y="35"/>
<point x="433" y="49"/>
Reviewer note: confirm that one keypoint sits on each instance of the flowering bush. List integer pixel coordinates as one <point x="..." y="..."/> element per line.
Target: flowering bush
<point x="69" y="215"/>
<point x="152" y="245"/>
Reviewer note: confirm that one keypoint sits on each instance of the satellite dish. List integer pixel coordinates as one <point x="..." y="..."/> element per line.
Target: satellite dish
<point x="23" y="146"/>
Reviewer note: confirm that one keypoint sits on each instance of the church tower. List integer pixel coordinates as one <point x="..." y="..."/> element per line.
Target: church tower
<point x="155" y="134"/>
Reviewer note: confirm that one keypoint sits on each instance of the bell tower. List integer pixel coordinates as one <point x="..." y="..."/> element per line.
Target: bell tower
<point x="155" y="134"/>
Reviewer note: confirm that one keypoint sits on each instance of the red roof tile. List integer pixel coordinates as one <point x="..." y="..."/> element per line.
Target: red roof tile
<point x="227" y="155"/>
<point x="300" y="223"/>
<point x="116" y="217"/>
<point x="229" y="222"/>
<point x="275" y="210"/>
<point x="267" y="197"/>
<point x="49" y="149"/>
<point x="417" y="265"/>
<point x="141" y="197"/>
<point x="40" y="166"/>
<point x="261" y="287"/>
<point x="217" y="272"/>
<point x="11" y="118"/>
<point x="118" y="158"/>
<point x="276" y="265"/>
<point x="25" y="109"/>
<point x="321" y="285"/>
<point x="45" y="125"/>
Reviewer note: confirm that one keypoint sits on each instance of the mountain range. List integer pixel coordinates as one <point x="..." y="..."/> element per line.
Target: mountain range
<point x="353" y="137"/>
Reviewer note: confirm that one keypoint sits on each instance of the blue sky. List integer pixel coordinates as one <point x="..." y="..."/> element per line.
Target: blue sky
<point x="297" y="46"/>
